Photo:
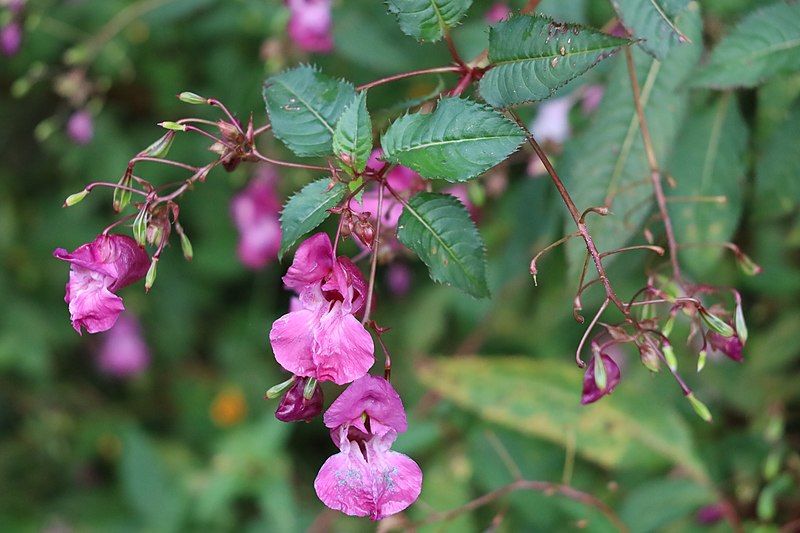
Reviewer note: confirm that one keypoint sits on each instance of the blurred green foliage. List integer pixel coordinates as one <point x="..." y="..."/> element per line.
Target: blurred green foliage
<point x="84" y="451"/>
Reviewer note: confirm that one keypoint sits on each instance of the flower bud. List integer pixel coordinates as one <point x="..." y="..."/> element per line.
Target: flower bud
<point x="150" y="278"/>
<point x="701" y="360"/>
<point x="174" y="126"/>
<point x="669" y="356"/>
<point x="739" y="322"/>
<point x="716" y="323"/>
<point x="160" y="147"/>
<point x="747" y="265"/>
<point x="277" y="390"/>
<point x="122" y="197"/>
<point x="699" y="407"/>
<point x="76" y="198"/>
<point x="295" y="406"/>
<point x="592" y="391"/>
<point x="365" y="232"/>
<point x="140" y="227"/>
<point x="192" y="98"/>
<point x="229" y="131"/>
<point x="649" y="357"/>
<point x="186" y="247"/>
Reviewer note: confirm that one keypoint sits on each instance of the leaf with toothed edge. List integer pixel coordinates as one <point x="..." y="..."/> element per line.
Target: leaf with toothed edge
<point x="352" y="137"/>
<point x="461" y="139"/>
<point x="308" y="209"/>
<point x="532" y="56"/>
<point x="438" y="228"/>
<point x="303" y="106"/>
<point x="428" y="20"/>
<point x="654" y="22"/>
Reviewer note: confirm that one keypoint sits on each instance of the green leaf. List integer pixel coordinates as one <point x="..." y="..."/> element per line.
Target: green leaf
<point x="653" y="21"/>
<point x="778" y="168"/>
<point x="352" y="138"/>
<point x="532" y="56"/>
<point x="437" y="227"/>
<point x="656" y="505"/>
<point x="708" y="162"/>
<point x="308" y="209"/>
<point x="303" y="106"/>
<point x="428" y="20"/>
<point x="458" y="141"/>
<point x="541" y="398"/>
<point x="765" y="43"/>
<point x="607" y="162"/>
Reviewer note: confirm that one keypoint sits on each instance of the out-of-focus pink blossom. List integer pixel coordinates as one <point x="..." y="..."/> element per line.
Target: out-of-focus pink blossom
<point x="123" y="352"/>
<point x="366" y="478"/>
<point x="255" y="212"/>
<point x="398" y="278"/>
<point x="591" y="389"/>
<point x="80" y="127"/>
<point x="552" y="121"/>
<point x="591" y="98"/>
<point x="499" y="11"/>
<point x="710" y="514"/>
<point x="10" y="38"/>
<point x="97" y="270"/>
<point x="310" y="24"/>
<point x="461" y="192"/>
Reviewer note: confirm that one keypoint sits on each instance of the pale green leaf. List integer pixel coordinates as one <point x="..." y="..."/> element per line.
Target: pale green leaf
<point x="437" y="227"/>
<point x="428" y="20"/>
<point x="308" y="209"/>
<point x="653" y="21"/>
<point x="303" y="106"/>
<point x="765" y="43"/>
<point x="458" y="141"/>
<point x="532" y="56"/>
<point x="352" y="137"/>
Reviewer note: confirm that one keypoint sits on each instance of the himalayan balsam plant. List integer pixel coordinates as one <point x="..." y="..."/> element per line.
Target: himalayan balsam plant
<point x="403" y="188"/>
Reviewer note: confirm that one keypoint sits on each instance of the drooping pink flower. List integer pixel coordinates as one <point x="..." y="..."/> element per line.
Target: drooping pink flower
<point x="10" y="38"/>
<point x="730" y="346"/>
<point x="591" y="390"/>
<point x="552" y="121"/>
<point x="255" y="212"/>
<point x="295" y="407"/>
<point x="366" y="478"/>
<point x="323" y="339"/>
<point x="80" y="127"/>
<point x="310" y="23"/>
<point x="123" y="352"/>
<point x="499" y="11"/>
<point x="97" y="269"/>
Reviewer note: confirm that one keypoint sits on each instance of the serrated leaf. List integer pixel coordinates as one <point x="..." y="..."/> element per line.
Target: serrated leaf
<point x="765" y="43"/>
<point x="541" y="398"/>
<point x="352" y="137"/>
<point x="532" y="56"/>
<point x="437" y="227"/>
<point x="458" y="141"/>
<point x="308" y="209"/>
<point x="607" y="162"/>
<point x="303" y="106"/>
<point x="778" y="168"/>
<point x="427" y="20"/>
<point x="653" y="21"/>
<point x="708" y="161"/>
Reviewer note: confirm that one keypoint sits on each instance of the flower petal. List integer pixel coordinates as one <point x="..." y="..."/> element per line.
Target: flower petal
<point x="342" y="348"/>
<point x="312" y="262"/>
<point x="591" y="392"/>
<point x="374" y="396"/>
<point x="91" y="304"/>
<point x="291" y="337"/>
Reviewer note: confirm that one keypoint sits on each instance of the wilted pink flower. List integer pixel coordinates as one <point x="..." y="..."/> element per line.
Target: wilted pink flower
<point x="323" y="339"/>
<point x="552" y="120"/>
<point x="97" y="269"/>
<point x="294" y="406"/>
<point x="10" y="38"/>
<point x="398" y="277"/>
<point x="255" y="213"/>
<point x="730" y="346"/>
<point x="80" y="127"/>
<point x="366" y="478"/>
<point x="499" y="11"/>
<point x="591" y="391"/>
<point x="123" y="351"/>
<point x="310" y="23"/>
<point x="591" y="98"/>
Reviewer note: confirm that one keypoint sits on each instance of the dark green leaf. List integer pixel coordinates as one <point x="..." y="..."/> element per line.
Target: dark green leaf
<point x="653" y="21"/>
<point x="458" y="141"/>
<point x="765" y="43"/>
<point x="532" y="56"/>
<point x="352" y="138"/>
<point x="303" y="106"/>
<point x="778" y="169"/>
<point x="708" y="161"/>
<point x="428" y="20"/>
<point x="308" y="209"/>
<point x="656" y="505"/>
<point x="439" y="230"/>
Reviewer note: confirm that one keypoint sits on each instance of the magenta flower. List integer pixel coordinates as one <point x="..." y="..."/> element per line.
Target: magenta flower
<point x="10" y="38"/>
<point x="294" y="407"/>
<point x="255" y="213"/>
<point x="591" y="391"/>
<point x="97" y="269"/>
<point x="499" y="11"/>
<point x="323" y="339"/>
<point x="730" y="346"/>
<point x="310" y="24"/>
<point x="710" y="514"/>
<point x="80" y="127"/>
<point x="123" y="352"/>
<point x="366" y="478"/>
<point x="399" y="279"/>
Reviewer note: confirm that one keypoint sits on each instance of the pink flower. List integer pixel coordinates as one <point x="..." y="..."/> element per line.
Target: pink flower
<point x="366" y="478"/>
<point x="310" y="23"/>
<point x="499" y="11"/>
<point x="399" y="278"/>
<point x="591" y="390"/>
<point x="294" y="407"/>
<point x="552" y="121"/>
<point x="123" y="351"/>
<point x="323" y="339"/>
<point x="97" y="269"/>
<point x="80" y="127"/>
<point x="255" y="214"/>
<point x="592" y="96"/>
<point x="730" y="346"/>
<point x="10" y="38"/>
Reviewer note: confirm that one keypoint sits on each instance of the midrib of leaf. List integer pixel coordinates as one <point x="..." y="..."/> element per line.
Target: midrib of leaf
<point x="666" y="18"/>
<point x="556" y="54"/>
<point x="439" y="17"/>
<point x="786" y="45"/>
<point x="308" y="106"/>
<point x="444" y="245"/>
<point x="633" y="127"/>
<point x="452" y="141"/>
<point x="713" y="143"/>
<point x="317" y="208"/>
